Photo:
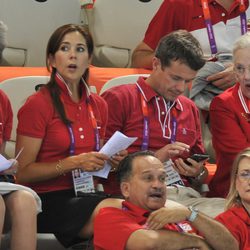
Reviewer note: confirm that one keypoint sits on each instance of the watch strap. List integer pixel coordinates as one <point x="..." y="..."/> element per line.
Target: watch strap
<point x="193" y="215"/>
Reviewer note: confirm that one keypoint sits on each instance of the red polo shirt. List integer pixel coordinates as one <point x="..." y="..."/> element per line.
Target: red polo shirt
<point x="188" y="15"/>
<point x="237" y="220"/>
<point x="125" y="115"/>
<point x="38" y="118"/>
<point x="113" y="226"/>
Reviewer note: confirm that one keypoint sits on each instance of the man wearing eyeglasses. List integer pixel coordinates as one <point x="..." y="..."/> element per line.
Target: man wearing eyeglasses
<point x="230" y="119"/>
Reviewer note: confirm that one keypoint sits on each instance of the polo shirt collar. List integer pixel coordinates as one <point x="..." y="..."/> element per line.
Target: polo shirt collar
<point x="65" y="90"/>
<point x="242" y="213"/>
<point x="236" y="3"/>
<point x="135" y="210"/>
<point x="149" y="93"/>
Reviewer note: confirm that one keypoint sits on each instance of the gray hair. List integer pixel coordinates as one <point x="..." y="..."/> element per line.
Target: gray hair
<point x="3" y="41"/>
<point x="242" y="42"/>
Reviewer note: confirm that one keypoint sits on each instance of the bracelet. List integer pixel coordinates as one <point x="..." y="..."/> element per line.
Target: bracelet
<point x="59" y="168"/>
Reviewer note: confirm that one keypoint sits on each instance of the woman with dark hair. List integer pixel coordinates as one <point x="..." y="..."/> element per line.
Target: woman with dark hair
<point x="61" y="128"/>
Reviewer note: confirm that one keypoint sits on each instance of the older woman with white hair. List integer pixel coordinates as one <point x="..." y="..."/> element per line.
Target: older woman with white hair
<point x="230" y="119"/>
<point x="237" y="216"/>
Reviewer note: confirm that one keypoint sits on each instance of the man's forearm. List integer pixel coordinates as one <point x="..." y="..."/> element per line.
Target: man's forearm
<point x="215" y="234"/>
<point x="164" y="240"/>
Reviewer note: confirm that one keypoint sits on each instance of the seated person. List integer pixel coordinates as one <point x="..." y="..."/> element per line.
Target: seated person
<point x="236" y="217"/>
<point x="166" y="122"/>
<point x="229" y="119"/>
<point x="61" y="128"/>
<point x="227" y="24"/>
<point x="18" y="205"/>
<point x="145" y="222"/>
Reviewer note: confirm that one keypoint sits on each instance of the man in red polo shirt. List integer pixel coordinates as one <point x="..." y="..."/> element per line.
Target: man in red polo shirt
<point x="166" y="122"/>
<point x="144" y="222"/>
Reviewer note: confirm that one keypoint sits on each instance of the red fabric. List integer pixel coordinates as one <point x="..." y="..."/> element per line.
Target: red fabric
<point x="237" y="220"/>
<point x="113" y="226"/>
<point x="125" y="115"/>
<point x="37" y="118"/>
<point x="188" y="15"/>
<point x="230" y="135"/>
<point x="6" y="118"/>
<point x="98" y="76"/>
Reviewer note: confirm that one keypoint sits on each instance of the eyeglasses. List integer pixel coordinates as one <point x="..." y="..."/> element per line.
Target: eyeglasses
<point x="244" y="176"/>
<point x="240" y="69"/>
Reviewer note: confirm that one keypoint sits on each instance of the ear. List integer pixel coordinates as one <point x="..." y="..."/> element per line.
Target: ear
<point x="125" y="189"/>
<point x="51" y="60"/>
<point x="155" y="63"/>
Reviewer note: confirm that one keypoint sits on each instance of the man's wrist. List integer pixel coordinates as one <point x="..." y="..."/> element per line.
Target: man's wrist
<point x="193" y="215"/>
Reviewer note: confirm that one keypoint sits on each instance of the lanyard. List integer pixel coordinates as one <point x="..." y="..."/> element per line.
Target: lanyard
<point x="145" y="133"/>
<point x="92" y="118"/>
<point x="209" y="25"/>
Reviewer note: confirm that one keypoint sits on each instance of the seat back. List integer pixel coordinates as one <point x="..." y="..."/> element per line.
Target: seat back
<point x="30" y="24"/>
<point x="117" y="27"/>
<point x="18" y="89"/>
<point x="127" y="79"/>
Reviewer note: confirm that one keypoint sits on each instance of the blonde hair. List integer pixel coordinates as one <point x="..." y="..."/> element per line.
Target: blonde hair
<point x="233" y="197"/>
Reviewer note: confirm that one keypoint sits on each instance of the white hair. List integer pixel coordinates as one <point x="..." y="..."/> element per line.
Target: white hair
<point x="242" y="42"/>
<point x="3" y="41"/>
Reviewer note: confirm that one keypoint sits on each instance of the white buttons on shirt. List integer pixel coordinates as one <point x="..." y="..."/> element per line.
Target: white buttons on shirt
<point x="80" y="129"/>
<point x="79" y="107"/>
<point x="223" y="14"/>
<point x="163" y="113"/>
<point x="82" y="136"/>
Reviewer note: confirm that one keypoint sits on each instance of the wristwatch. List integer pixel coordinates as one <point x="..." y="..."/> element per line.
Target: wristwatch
<point x="194" y="213"/>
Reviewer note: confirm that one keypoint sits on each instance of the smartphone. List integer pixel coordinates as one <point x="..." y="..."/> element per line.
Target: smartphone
<point x="198" y="158"/>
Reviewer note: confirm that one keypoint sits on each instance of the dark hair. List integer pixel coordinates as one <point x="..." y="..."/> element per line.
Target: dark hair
<point x="180" y="45"/>
<point x="124" y="169"/>
<point x="52" y="47"/>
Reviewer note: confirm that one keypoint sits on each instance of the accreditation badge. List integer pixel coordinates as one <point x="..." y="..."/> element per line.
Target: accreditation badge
<point x="173" y="177"/>
<point x="83" y="182"/>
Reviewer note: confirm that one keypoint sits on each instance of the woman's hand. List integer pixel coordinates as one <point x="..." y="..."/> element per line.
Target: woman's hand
<point x="115" y="159"/>
<point x="92" y="161"/>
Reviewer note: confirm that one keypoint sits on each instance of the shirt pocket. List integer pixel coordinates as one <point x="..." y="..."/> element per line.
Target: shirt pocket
<point x="188" y="136"/>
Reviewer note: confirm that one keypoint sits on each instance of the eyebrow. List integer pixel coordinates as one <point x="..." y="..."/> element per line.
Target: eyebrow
<point x="186" y="80"/>
<point x="150" y="171"/>
<point x="82" y="44"/>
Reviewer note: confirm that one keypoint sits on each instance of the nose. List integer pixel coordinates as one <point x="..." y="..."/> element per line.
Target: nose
<point x="181" y="86"/>
<point x="72" y="53"/>
<point x="156" y="183"/>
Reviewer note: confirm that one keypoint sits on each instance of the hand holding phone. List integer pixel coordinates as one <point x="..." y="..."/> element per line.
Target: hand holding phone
<point x="198" y="158"/>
